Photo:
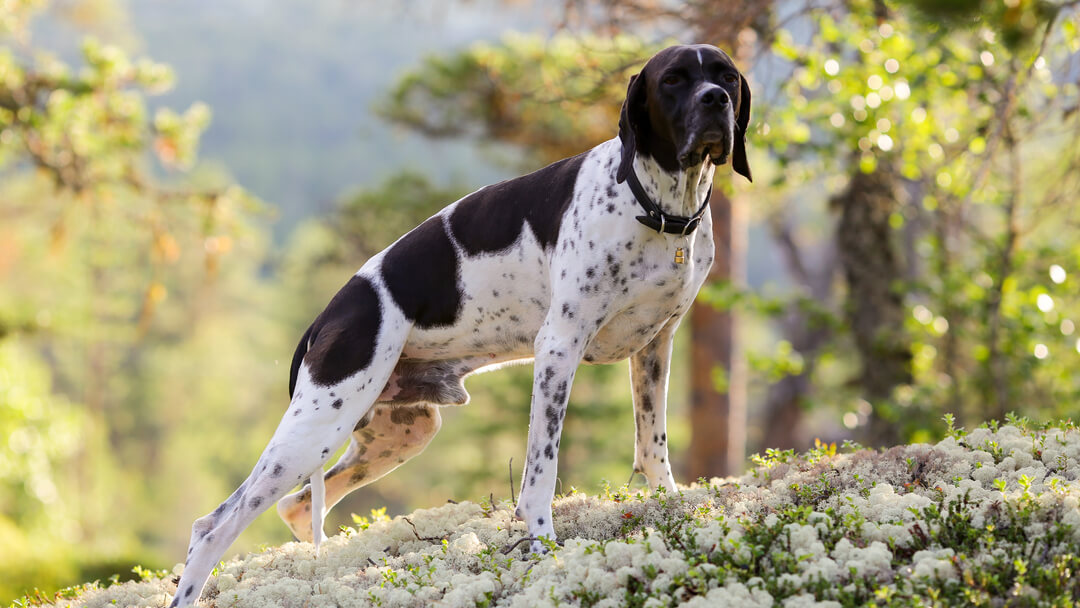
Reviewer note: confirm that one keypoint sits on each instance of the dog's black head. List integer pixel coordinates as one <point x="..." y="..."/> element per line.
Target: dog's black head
<point x="688" y="102"/>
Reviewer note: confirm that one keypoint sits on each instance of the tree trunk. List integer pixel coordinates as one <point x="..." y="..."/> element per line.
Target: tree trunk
<point x="875" y="309"/>
<point x="718" y="417"/>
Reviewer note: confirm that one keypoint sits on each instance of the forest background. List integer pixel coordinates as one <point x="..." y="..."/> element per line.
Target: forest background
<point x="906" y="257"/>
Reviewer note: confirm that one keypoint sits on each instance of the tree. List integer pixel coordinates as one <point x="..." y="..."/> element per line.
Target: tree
<point x="108" y="249"/>
<point x="931" y="123"/>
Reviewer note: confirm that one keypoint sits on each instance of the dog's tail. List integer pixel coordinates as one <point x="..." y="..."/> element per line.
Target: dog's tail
<point x="298" y="358"/>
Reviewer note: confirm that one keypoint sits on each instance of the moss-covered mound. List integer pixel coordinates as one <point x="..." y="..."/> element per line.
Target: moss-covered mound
<point x="985" y="518"/>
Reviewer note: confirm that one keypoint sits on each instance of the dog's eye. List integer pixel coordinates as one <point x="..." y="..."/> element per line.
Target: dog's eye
<point x="730" y="78"/>
<point x="672" y="79"/>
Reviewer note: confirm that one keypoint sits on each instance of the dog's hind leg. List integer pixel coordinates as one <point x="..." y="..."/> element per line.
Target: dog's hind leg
<point x="297" y="451"/>
<point x="328" y="400"/>
<point x="318" y="498"/>
<point x="383" y="440"/>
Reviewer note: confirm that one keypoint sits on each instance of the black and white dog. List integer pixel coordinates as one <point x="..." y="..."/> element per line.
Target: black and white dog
<point x="595" y="258"/>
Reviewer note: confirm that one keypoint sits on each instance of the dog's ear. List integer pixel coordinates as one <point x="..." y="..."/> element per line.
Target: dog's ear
<point x="738" y="157"/>
<point x="630" y="119"/>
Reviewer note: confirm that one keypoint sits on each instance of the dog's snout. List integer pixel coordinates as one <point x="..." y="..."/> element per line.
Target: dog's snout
<point x="713" y="96"/>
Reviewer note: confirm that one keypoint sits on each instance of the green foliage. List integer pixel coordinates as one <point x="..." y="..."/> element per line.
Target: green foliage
<point x="1018" y="21"/>
<point x="107" y="287"/>
<point x="557" y="97"/>
<point x="975" y="128"/>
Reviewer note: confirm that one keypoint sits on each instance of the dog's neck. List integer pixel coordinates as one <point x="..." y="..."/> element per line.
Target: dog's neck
<point x="677" y="193"/>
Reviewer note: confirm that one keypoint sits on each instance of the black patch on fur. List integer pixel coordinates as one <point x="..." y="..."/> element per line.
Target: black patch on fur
<point x="654" y="369"/>
<point x="552" y="416"/>
<point x="421" y="272"/>
<point x="255" y="502"/>
<point x="336" y="404"/>
<point x="491" y="219"/>
<point x="366" y="420"/>
<point x="646" y="402"/>
<point x="189" y="590"/>
<point x="403" y="415"/>
<point x="343" y="336"/>
<point x="278" y="468"/>
<point x="298" y="357"/>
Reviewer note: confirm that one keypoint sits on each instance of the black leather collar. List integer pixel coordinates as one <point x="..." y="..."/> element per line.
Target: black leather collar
<point x="655" y="217"/>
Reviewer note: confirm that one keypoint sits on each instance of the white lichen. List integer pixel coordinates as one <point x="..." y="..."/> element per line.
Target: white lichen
<point x="894" y="528"/>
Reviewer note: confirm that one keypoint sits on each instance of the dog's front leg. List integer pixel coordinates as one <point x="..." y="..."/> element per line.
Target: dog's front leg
<point x="649" y="378"/>
<point x="559" y="348"/>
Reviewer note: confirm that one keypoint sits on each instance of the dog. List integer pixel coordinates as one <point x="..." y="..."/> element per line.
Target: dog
<point x="595" y="258"/>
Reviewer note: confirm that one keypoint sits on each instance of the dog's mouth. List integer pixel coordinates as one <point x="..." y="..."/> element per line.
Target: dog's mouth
<point x="715" y="145"/>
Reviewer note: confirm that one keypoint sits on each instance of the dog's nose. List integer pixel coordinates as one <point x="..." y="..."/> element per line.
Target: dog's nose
<point x="713" y="96"/>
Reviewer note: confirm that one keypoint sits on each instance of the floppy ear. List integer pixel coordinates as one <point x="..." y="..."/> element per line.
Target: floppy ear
<point x="633" y="109"/>
<point x="738" y="157"/>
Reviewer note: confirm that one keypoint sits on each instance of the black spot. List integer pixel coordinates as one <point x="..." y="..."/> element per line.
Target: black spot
<point x="336" y="404"/>
<point x="421" y="272"/>
<point x="325" y="451"/>
<point x="189" y="590"/>
<point x="654" y="369"/>
<point x="560" y="393"/>
<point x="540" y="521"/>
<point x="403" y="415"/>
<point x="343" y="335"/>
<point x="491" y="219"/>
<point x="548" y="453"/>
<point x="552" y="421"/>
<point x="255" y="502"/>
<point x="278" y="468"/>
<point x="646" y="402"/>
<point x="532" y="481"/>
<point x="359" y="473"/>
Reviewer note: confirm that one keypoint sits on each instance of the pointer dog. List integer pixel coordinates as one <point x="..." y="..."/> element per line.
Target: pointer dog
<point x="594" y="258"/>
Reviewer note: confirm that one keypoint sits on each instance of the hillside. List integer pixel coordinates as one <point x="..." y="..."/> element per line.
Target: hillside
<point x="988" y="517"/>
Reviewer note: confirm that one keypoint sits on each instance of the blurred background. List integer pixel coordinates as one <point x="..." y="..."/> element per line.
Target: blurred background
<point x="185" y="185"/>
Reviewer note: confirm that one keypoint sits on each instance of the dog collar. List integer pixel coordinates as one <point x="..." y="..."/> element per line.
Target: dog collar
<point x="655" y="217"/>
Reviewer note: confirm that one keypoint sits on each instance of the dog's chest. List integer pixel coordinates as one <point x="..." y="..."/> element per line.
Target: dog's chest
<point x="634" y="297"/>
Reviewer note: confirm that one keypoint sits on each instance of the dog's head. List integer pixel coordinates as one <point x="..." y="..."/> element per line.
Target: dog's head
<point x="688" y="102"/>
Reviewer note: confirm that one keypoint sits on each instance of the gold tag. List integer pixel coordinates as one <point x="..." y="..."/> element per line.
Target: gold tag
<point x="679" y="256"/>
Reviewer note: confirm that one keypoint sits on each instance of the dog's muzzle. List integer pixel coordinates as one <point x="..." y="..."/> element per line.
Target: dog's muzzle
<point x="710" y="128"/>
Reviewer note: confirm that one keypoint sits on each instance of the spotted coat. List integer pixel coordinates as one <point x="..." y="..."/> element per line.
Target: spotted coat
<point x="551" y="267"/>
